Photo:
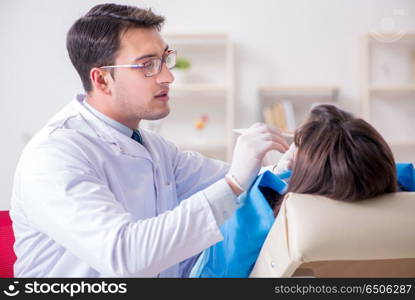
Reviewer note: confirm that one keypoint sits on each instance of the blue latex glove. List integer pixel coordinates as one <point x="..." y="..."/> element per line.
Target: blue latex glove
<point x="244" y="233"/>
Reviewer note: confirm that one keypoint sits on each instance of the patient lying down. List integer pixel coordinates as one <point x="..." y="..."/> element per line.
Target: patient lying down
<point x="339" y="156"/>
<point x="334" y="155"/>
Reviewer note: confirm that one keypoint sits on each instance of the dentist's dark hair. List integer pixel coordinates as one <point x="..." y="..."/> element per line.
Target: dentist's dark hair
<point x="94" y="39"/>
<point x="341" y="157"/>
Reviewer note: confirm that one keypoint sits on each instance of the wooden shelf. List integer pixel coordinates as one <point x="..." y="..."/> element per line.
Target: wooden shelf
<point x="392" y="89"/>
<point x="297" y="88"/>
<point x="287" y="106"/>
<point x="408" y="143"/>
<point x="312" y="92"/>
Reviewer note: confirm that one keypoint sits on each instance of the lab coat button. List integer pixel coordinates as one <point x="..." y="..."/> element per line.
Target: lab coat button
<point x="272" y="264"/>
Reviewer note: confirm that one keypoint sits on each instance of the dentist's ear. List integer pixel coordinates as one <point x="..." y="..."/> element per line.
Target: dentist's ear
<point x="100" y="80"/>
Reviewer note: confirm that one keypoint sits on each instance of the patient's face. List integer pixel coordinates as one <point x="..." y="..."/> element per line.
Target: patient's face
<point x="292" y="155"/>
<point x="286" y="161"/>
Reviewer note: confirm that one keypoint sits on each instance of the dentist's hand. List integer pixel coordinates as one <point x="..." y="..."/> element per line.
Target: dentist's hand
<point x="250" y="150"/>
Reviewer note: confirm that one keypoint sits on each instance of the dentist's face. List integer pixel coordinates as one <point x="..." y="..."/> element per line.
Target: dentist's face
<point x="135" y="96"/>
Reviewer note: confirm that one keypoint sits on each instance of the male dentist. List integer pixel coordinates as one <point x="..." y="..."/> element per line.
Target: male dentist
<point x="95" y="195"/>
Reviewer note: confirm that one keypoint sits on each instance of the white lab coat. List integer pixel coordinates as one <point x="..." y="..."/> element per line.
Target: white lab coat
<point x="85" y="198"/>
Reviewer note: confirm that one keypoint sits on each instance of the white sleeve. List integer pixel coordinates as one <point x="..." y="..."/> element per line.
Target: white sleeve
<point x="194" y="172"/>
<point x="64" y="198"/>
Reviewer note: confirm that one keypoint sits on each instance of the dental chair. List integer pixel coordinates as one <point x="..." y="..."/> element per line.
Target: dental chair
<point x="314" y="236"/>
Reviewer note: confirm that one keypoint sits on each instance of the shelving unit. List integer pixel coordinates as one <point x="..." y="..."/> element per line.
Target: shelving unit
<point x="388" y="91"/>
<point x="300" y="99"/>
<point x="392" y="89"/>
<point x="207" y="89"/>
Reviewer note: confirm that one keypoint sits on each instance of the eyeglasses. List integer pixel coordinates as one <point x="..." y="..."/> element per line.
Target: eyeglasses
<point x="152" y="67"/>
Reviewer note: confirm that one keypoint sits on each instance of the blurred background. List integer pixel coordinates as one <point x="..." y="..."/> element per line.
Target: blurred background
<point x="240" y="62"/>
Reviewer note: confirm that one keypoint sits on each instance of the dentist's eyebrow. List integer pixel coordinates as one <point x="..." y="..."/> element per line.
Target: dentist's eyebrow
<point x="150" y="55"/>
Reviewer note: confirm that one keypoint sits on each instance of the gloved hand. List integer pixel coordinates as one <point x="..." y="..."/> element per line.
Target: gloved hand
<point x="250" y="149"/>
<point x="284" y="164"/>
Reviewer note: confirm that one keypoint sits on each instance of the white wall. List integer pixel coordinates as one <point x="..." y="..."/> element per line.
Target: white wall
<point x="277" y="42"/>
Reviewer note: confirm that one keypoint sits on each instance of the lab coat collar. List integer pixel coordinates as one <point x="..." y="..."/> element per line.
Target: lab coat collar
<point x="118" y="141"/>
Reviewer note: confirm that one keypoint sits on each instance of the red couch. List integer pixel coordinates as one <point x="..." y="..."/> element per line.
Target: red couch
<point x="7" y="255"/>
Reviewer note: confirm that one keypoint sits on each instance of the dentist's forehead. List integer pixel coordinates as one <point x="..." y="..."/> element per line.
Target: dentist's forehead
<point x="151" y="54"/>
<point x="139" y="43"/>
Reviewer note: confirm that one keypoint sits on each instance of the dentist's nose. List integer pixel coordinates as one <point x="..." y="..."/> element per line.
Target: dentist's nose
<point x="165" y="75"/>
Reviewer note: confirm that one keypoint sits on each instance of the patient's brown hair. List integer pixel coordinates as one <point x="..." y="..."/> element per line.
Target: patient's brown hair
<point x="341" y="157"/>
